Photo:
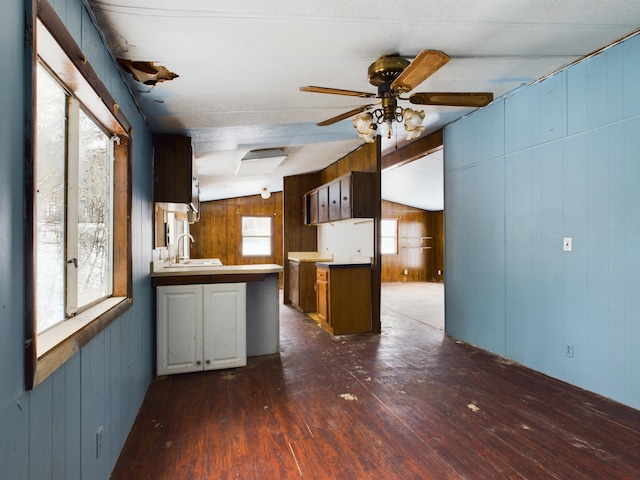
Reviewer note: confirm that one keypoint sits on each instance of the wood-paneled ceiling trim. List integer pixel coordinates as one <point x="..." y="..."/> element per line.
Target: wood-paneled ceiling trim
<point x="413" y="151"/>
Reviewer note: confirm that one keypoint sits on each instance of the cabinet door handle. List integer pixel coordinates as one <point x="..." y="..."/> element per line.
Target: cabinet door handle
<point x="198" y="362"/>
<point x="208" y="361"/>
<point x="345" y="198"/>
<point x="334" y="202"/>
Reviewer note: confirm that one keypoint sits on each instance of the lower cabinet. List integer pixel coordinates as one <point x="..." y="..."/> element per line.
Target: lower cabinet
<point x="201" y="327"/>
<point x="302" y="294"/>
<point x="344" y="298"/>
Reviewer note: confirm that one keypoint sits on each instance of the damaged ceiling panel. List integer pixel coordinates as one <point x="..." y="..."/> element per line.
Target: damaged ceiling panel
<point x="146" y="72"/>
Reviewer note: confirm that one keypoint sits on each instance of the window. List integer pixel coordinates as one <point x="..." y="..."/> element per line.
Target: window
<point x="78" y="197"/>
<point x="389" y="236"/>
<point x="256" y="236"/>
<point x="74" y="197"/>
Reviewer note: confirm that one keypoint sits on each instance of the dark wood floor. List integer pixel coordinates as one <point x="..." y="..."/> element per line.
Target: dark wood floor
<point x="408" y="404"/>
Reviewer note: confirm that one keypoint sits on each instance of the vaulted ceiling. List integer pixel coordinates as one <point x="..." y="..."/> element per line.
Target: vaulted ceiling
<point x="240" y="65"/>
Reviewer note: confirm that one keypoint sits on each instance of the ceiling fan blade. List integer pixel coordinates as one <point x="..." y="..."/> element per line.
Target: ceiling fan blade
<point x="344" y="115"/>
<point x="337" y="91"/>
<point x="454" y="99"/>
<point x="422" y="67"/>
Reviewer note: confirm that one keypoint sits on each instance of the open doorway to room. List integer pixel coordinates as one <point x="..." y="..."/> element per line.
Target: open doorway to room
<point x="412" y="278"/>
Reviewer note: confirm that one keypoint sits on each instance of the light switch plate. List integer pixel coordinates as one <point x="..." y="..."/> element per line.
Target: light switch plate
<point x="567" y="244"/>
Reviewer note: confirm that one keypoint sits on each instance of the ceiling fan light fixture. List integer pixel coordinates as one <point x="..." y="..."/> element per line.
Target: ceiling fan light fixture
<point x="394" y="76"/>
<point x="413" y="122"/>
<point x="366" y="127"/>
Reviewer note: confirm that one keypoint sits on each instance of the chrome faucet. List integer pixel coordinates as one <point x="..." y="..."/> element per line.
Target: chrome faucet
<point x="186" y="257"/>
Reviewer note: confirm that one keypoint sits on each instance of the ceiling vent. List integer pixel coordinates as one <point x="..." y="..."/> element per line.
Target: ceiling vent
<point x="260" y="162"/>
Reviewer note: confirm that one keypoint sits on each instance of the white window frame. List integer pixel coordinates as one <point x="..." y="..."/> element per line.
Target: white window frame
<point x="394" y="236"/>
<point x="270" y="236"/>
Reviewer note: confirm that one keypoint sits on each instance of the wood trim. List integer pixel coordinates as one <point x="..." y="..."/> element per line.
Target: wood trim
<point x="122" y="256"/>
<point x="58" y="30"/>
<point x="30" y="321"/>
<point x="413" y="151"/>
<point x="376" y="271"/>
<point x="51" y="360"/>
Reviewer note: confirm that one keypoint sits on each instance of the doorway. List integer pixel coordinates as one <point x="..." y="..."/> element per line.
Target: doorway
<point x="412" y="274"/>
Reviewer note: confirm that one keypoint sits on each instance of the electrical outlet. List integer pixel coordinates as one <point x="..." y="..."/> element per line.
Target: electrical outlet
<point x="568" y="350"/>
<point x="99" y="440"/>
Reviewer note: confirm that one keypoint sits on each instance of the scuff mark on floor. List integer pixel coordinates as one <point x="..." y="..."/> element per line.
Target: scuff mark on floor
<point x="348" y="396"/>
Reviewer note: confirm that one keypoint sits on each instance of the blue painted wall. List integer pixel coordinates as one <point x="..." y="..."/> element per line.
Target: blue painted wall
<point x="560" y="158"/>
<point x="49" y="433"/>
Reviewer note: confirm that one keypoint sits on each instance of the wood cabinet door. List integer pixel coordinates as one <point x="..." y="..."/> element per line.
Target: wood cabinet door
<point x="294" y="283"/>
<point x="323" y="204"/>
<point x="173" y="169"/>
<point x="322" y="293"/>
<point x="224" y="325"/>
<point x="313" y="208"/>
<point x="345" y="197"/>
<point x="334" y="201"/>
<point x="179" y="329"/>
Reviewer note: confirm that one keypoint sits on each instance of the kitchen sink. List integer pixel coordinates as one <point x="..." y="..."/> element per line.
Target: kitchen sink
<point x="198" y="262"/>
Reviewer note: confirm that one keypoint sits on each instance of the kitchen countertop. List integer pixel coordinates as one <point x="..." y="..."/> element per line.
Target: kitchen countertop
<point x="310" y="257"/>
<point x="158" y="270"/>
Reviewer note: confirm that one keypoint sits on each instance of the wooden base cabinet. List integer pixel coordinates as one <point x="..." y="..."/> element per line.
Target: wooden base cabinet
<point x="201" y="327"/>
<point x="344" y="297"/>
<point x="302" y="293"/>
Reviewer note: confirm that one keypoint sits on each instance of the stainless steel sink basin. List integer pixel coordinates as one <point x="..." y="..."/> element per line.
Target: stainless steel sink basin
<point x="198" y="262"/>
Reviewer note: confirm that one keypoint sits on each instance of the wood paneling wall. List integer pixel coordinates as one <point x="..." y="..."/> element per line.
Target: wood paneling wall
<point x="422" y="264"/>
<point x="218" y="234"/>
<point x="297" y="237"/>
<point x="366" y="158"/>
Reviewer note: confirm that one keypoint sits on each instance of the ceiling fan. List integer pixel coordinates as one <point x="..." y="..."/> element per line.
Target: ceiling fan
<point x="395" y="76"/>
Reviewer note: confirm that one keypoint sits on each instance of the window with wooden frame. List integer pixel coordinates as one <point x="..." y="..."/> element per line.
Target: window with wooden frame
<point x="78" y="274"/>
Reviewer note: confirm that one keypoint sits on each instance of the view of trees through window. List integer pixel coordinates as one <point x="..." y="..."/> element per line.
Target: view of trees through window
<point x="74" y="162"/>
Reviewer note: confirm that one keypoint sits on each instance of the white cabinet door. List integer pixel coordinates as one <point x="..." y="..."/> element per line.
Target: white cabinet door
<point x="225" y="320"/>
<point x="179" y="324"/>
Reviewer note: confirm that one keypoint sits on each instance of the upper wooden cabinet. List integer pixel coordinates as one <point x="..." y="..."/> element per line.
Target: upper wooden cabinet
<point x="174" y="176"/>
<point x="350" y="196"/>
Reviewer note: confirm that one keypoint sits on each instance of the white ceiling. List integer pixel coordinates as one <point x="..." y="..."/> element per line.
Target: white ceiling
<point x="241" y="63"/>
